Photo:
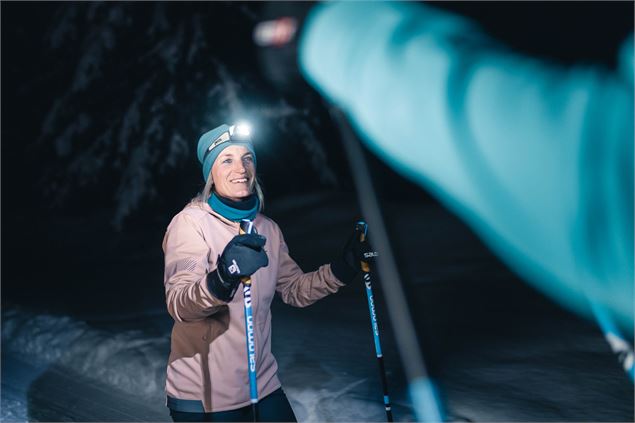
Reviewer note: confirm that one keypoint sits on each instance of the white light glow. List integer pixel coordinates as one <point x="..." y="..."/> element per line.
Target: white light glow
<point x="242" y="129"/>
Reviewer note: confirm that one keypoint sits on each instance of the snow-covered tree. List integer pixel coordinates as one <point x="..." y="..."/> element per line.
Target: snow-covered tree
<point x="137" y="83"/>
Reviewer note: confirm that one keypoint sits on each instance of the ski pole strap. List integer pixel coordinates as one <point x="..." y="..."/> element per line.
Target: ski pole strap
<point x="246" y="227"/>
<point x="362" y="228"/>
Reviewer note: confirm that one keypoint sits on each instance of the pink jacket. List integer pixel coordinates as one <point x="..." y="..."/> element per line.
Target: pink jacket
<point x="207" y="369"/>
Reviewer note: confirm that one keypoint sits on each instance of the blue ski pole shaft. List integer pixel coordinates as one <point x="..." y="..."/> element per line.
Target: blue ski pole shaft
<point x="374" y="325"/>
<point x="247" y="226"/>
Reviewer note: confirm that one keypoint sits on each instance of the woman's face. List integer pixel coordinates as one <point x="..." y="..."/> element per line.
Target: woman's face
<point x="233" y="172"/>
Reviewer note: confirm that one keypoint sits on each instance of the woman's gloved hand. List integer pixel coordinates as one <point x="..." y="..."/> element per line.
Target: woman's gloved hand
<point x="346" y="267"/>
<point x="241" y="258"/>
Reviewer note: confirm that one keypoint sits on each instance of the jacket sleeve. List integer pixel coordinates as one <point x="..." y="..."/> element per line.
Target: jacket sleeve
<point x="536" y="157"/>
<point x="186" y="267"/>
<point x="301" y="289"/>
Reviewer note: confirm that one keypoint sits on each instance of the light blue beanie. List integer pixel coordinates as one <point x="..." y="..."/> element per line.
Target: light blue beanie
<point x="206" y="141"/>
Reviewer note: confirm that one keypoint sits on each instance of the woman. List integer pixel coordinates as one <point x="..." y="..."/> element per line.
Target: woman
<point x="205" y="259"/>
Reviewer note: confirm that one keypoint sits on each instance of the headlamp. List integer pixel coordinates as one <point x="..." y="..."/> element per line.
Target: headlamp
<point x="240" y="130"/>
<point x="236" y="133"/>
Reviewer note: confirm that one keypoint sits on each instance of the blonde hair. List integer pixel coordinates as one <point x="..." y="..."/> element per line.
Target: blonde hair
<point x="204" y="195"/>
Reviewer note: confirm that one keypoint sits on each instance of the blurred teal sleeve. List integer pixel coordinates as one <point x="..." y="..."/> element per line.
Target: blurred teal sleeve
<point x="537" y="158"/>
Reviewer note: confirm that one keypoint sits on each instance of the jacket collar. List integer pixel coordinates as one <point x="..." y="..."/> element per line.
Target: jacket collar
<point x="220" y="217"/>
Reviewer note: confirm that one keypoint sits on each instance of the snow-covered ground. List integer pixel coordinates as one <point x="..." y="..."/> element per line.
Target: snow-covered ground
<point x="60" y="368"/>
<point x="498" y="350"/>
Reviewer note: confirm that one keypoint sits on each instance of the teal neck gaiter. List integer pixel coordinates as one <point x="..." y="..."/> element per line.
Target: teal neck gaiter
<point x="235" y="210"/>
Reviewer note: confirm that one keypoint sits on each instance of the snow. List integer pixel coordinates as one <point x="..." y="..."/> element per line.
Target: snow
<point x="65" y="29"/>
<point x="198" y="42"/>
<point x="131" y="119"/>
<point x="319" y="387"/>
<point x="129" y="360"/>
<point x="165" y="84"/>
<point x="64" y="143"/>
<point x="497" y="350"/>
<point x="54" y="393"/>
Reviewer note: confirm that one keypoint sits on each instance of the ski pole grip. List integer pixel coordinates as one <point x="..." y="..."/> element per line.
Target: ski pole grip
<point x="246" y="227"/>
<point x="362" y="228"/>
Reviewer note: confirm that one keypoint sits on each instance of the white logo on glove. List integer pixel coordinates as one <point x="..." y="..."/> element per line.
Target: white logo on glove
<point x="234" y="268"/>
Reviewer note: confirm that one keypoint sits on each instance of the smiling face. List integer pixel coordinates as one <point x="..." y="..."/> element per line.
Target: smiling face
<point x="233" y="173"/>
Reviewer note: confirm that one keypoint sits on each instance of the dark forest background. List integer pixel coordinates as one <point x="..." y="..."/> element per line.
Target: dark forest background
<point x="103" y="103"/>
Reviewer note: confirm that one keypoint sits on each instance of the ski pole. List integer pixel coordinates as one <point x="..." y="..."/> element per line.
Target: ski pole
<point x="247" y="227"/>
<point x="363" y="228"/>
<point x="422" y="389"/>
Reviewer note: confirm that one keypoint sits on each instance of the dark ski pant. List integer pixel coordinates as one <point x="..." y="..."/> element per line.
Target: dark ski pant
<point x="274" y="407"/>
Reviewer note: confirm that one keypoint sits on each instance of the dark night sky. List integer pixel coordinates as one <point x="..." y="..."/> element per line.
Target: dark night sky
<point x="54" y="213"/>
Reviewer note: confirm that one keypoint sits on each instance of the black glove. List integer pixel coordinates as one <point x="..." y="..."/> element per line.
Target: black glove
<point x="346" y="267"/>
<point x="241" y="258"/>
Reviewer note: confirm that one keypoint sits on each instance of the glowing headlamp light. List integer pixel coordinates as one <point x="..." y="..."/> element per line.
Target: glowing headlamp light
<point x="236" y="133"/>
<point x="240" y="130"/>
